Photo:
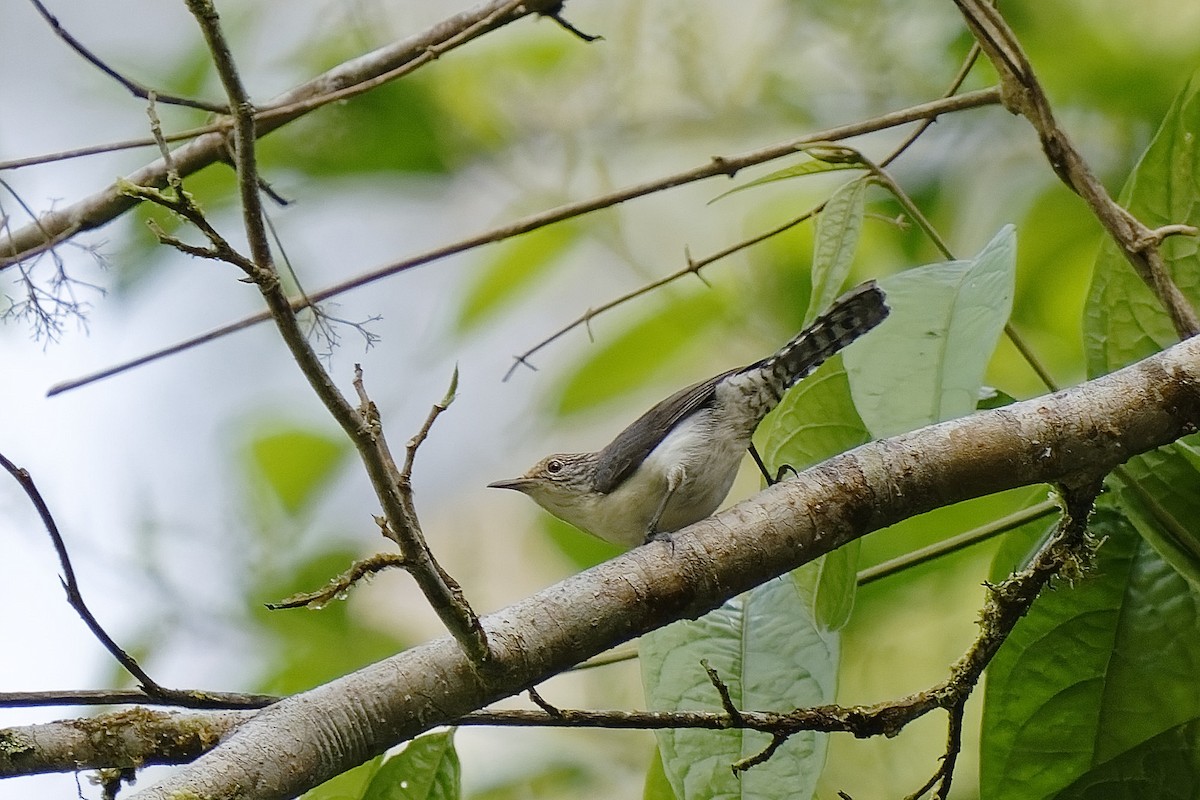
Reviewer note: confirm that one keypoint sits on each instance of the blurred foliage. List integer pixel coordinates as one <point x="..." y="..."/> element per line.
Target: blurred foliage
<point x="512" y="270"/>
<point x="294" y="463"/>
<point x="289" y="469"/>
<point x="542" y="115"/>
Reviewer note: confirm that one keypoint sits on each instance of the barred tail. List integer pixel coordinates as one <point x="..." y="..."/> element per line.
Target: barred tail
<point x="851" y="315"/>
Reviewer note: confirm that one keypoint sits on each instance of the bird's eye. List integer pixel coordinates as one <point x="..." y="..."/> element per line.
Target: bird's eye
<point x="554" y="466"/>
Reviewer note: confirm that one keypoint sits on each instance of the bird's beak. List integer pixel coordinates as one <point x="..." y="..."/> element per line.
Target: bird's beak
<point x="516" y="484"/>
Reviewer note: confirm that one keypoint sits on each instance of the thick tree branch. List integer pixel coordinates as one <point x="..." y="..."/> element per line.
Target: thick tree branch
<point x="130" y="738"/>
<point x="1069" y="437"/>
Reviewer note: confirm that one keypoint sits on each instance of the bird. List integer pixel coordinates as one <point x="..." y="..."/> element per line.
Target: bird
<point x="674" y="465"/>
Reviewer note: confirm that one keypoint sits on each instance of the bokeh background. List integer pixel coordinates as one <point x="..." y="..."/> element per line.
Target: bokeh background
<point x="193" y="490"/>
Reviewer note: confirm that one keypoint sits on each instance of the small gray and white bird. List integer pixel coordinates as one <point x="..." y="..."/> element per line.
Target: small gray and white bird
<point x="674" y="465"/>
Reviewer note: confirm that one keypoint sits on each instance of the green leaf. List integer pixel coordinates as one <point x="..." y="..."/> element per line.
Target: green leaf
<point x="1093" y="671"/>
<point x="515" y="265"/>
<point x="350" y="785"/>
<point x="813" y="166"/>
<point x="426" y="769"/>
<point x="657" y="786"/>
<point x="770" y="655"/>
<point x="1123" y="322"/>
<point x="816" y="420"/>
<point x="295" y="463"/>
<point x="1160" y="493"/>
<point x="927" y="360"/>
<point x="838" y="228"/>
<point x="1165" y="767"/>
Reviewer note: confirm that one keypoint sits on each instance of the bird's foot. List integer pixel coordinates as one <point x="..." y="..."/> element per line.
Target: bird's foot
<point x="661" y="536"/>
<point x="784" y="470"/>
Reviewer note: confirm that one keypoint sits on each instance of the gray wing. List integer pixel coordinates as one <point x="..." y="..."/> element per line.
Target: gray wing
<point x="621" y="457"/>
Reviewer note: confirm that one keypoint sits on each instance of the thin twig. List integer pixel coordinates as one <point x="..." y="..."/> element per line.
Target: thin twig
<point x="1023" y="94"/>
<point x="722" y="689"/>
<point x="717" y="166"/>
<point x="338" y="586"/>
<point x="135" y="88"/>
<point x="71" y="585"/>
<point x="761" y="757"/>
<point x="956" y="543"/>
<point x="541" y="702"/>
<point x="200" y="698"/>
<point x="347" y="80"/>
<point x="694" y="266"/>
<point x="418" y="439"/>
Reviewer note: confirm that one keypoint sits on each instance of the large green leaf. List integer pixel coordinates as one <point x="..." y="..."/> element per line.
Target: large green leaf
<point x="1123" y="322"/>
<point x="1160" y="492"/>
<point x="927" y="360"/>
<point x="768" y="654"/>
<point x="1093" y="671"/>
<point x="1165" y="767"/>
<point x="817" y="420"/>
<point x="426" y="769"/>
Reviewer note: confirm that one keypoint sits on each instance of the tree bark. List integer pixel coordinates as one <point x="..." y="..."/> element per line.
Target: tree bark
<point x="1068" y="437"/>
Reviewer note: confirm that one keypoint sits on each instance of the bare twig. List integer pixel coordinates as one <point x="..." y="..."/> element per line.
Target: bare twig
<point x="337" y="587"/>
<point x="956" y="543"/>
<point x="71" y="585"/>
<point x="720" y="165"/>
<point x="556" y="15"/>
<point x="47" y="308"/>
<point x="135" y="88"/>
<point x="1023" y="94"/>
<point x="761" y="757"/>
<point x="115" y="697"/>
<point x="723" y="690"/>
<point x="541" y="702"/>
<point x="415" y="442"/>
<point x="347" y="80"/>
<point x="361" y="425"/>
